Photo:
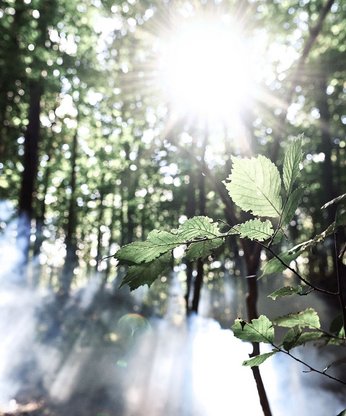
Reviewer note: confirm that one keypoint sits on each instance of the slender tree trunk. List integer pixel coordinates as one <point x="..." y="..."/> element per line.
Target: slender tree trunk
<point x="30" y="162"/>
<point x="99" y="231"/>
<point x="202" y="211"/>
<point x="111" y="241"/>
<point x="71" y="259"/>
<point x="327" y="178"/>
<point x="190" y="212"/>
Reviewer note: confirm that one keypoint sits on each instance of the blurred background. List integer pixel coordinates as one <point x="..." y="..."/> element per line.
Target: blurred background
<point x="118" y="117"/>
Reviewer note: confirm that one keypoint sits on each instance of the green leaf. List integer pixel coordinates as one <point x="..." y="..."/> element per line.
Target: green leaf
<point x="202" y="249"/>
<point x="295" y="337"/>
<point x="255" y="186"/>
<point x="157" y="243"/>
<point x="258" y="330"/>
<point x="146" y="273"/>
<point x="291" y="337"/>
<point x="259" y="359"/>
<point x="310" y="336"/>
<point x="336" y="324"/>
<point x="286" y="291"/>
<point x="291" y="205"/>
<point x="338" y="341"/>
<point x="198" y="227"/>
<point x="279" y="235"/>
<point x="293" y="157"/>
<point x="305" y="319"/>
<point x="255" y="229"/>
<point x="334" y="201"/>
<point x="274" y="265"/>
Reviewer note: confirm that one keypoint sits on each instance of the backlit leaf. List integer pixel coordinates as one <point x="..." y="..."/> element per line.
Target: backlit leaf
<point x="255" y="229"/>
<point x="259" y="359"/>
<point x="258" y="330"/>
<point x="305" y="319"/>
<point x="157" y="243"/>
<point x="285" y="291"/>
<point x="291" y="337"/>
<point x="146" y="273"/>
<point x="202" y="249"/>
<point x="293" y="157"/>
<point x="198" y="227"/>
<point x="291" y="205"/>
<point x="274" y="265"/>
<point x="255" y="186"/>
<point x="295" y="337"/>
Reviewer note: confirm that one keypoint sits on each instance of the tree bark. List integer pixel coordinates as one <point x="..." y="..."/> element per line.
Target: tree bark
<point x="30" y="163"/>
<point x="71" y="259"/>
<point x="202" y="211"/>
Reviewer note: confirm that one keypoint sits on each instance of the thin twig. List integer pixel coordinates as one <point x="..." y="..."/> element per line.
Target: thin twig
<point x="301" y="278"/>
<point x="311" y="369"/>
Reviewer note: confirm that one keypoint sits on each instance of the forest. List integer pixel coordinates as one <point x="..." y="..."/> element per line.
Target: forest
<point x="172" y="207"/>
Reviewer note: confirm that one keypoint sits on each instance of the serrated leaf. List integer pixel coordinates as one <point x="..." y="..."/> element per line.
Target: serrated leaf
<point x="291" y="205"/>
<point x="334" y="201"/>
<point x="336" y="324"/>
<point x="255" y="229"/>
<point x="146" y="273"/>
<point x="293" y="157"/>
<point x="198" y="227"/>
<point x="309" y="337"/>
<point x="295" y="337"/>
<point x="202" y="249"/>
<point x="258" y="330"/>
<point x="291" y="337"/>
<point x="259" y="359"/>
<point x="157" y="243"/>
<point x="274" y="265"/>
<point x="305" y="319"/>
<point x="255" y="186"/>
<point x="285" y="291"/>
<point x="279" y="235"/>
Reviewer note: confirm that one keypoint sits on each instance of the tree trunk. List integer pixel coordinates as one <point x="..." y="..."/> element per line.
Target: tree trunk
<point x="71" y="259"/>
<point x="30" y="162"/>
<point x="99" y="231"/>
<point x="190" y="212"/>
<point x="202" y="211"/>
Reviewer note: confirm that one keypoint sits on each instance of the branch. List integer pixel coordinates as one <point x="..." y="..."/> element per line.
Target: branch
<point x="311" y="369"/>
<point x="314" y="33"/>
<point x="301" y="278"/>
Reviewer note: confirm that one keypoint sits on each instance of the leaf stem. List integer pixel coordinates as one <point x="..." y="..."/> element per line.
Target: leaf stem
<point x="311" y="369"/>
<point x="301" y="278"/>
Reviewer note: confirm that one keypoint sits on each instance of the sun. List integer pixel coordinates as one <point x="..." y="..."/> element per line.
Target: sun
<point x="207" y="69"/>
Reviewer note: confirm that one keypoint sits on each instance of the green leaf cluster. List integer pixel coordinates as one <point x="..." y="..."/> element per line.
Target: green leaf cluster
<point x="150" y="258"/>
<point x="255" y="185"/>
<point x="302" y="327"/>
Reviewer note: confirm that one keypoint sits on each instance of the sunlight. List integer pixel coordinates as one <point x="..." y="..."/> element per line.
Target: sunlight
<point x="207" y="69"/>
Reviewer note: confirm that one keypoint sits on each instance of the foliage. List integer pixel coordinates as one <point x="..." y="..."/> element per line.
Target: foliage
<point x="254" y="185"/>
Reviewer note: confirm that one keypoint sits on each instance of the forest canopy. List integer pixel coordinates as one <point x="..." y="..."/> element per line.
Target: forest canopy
<point x="196" y="147"/>
<point x="117" y="117"/>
